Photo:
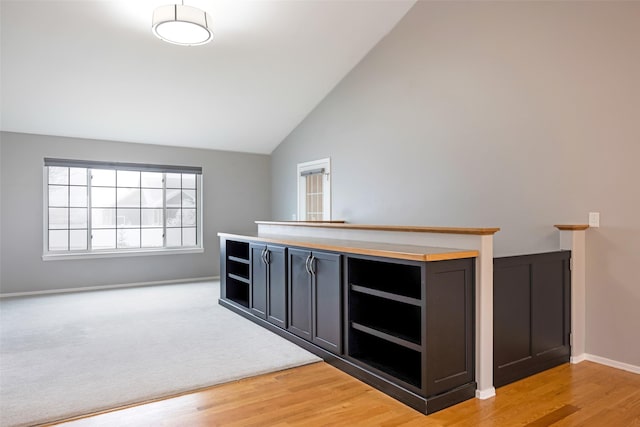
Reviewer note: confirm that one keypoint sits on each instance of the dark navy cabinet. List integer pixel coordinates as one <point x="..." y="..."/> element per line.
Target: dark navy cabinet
<point x="315" y="297"/>
<point x="406" y="327"/>
<point x="268" y="283"/>
<point x="413" y="323"/>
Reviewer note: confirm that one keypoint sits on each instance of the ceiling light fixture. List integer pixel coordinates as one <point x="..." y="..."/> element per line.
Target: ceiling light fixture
<point x="183" y="25"/>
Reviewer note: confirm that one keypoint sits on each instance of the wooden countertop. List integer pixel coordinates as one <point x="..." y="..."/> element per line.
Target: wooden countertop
<point x="409" y="228"/>
<point x="574" y="227"/>
<point x="388" y="250"/>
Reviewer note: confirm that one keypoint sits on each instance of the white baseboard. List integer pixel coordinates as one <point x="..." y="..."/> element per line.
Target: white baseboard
<point x="103" y="287"/>
<point x="613" y="363"/>
<point x="487" y="393"/>
<point x="579" y="358"/>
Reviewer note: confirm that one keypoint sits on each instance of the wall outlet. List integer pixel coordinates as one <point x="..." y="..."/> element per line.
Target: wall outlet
<point x="294" y="217"/>
<point x="594" y="219"/>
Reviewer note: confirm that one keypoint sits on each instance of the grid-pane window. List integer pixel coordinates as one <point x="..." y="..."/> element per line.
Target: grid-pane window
<point x="314" y="190"/>
<point x="181" y="202"/>
<point x="314" y="197"/>
<point x="99" y="209"/>
<point x="67" y="209"/>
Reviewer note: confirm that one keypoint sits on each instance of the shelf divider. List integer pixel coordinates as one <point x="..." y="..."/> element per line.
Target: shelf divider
<point x="237" y="259"/>
<point x="239" y="278"/>
<point x="387" y="295"/>
<point x="383" y="335"/>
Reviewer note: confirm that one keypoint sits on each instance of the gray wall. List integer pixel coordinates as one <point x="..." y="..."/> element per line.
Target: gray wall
<point x="519" y="115"/>
<point x="236" y="192"/>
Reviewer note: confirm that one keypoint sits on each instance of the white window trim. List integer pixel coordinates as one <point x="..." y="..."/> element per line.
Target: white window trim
<point x="51" y="256"/>
<point x="48" y="255"/>
<point x="326" y="187"/>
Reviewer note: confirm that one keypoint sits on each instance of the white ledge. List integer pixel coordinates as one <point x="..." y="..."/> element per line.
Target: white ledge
<point x="118" y="254"/>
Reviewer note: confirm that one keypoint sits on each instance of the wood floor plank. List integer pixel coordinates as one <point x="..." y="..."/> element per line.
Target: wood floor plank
<point x="553" y="417"/>
<point x="319" y="395"/>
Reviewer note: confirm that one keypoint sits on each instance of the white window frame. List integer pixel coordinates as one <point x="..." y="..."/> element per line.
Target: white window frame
<point x="326" y="187"/>
<point x="48" y="255"/>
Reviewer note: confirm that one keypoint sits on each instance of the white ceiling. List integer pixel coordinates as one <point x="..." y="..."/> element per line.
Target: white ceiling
<point x="93" y="69"/>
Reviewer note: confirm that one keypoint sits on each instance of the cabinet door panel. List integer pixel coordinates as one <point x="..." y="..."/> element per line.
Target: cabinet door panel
<point x="327" y="302"/>
<point x="532" y="314"/>
<point x="511" y="315"/>
<point x="258" y="302"/>
<point x="277" y="301"/>
<point x="548" y="329"/>
<point x="299" y="294"/>
<point x="449" y="328"/>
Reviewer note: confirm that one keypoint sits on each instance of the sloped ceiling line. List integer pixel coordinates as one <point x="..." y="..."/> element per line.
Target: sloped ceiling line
<point x="93" y="69"/>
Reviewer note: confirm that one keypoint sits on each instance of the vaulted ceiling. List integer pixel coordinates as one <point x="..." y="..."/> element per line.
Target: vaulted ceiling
<point x="93" y="69"/>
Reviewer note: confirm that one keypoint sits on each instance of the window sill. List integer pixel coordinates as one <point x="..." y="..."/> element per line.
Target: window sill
<point x="118" y="254"/>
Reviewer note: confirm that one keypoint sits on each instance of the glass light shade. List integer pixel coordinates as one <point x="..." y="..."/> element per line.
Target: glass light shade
<point x="183" y="25"/>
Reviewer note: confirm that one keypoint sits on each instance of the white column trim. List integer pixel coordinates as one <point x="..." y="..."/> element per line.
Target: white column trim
<point x="484" y="319"/>
<point x="574" y="240"/>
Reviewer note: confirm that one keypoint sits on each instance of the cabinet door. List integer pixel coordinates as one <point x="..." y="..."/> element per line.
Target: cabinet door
<point x="299" y="293"/>
<point x="531" y="314"/>
<point x="258" y="301"/>
<point x="327" y="301"/>
<point x="277" y="286"/>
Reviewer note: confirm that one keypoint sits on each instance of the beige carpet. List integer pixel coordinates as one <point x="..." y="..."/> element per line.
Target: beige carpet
<point x="71" y="354"/>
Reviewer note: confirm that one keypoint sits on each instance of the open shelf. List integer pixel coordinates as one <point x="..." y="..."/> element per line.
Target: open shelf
<point x="393" y="359"/>
<point x="238" y="269"/>
<point x="389" y="277"/>
<point x="238" y="291"/>
<point x="237" y="249"/>
<point x="237" y="272"/>
<point x="394" y="319"/>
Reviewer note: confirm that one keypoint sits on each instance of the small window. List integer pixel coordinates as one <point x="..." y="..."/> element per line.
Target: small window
<point x="314" y="190"/>
<point x="96" y="207"/>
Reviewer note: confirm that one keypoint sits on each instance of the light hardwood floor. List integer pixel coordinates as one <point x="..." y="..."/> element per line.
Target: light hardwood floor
<point x="586" y="394"/>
